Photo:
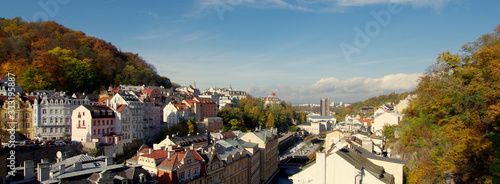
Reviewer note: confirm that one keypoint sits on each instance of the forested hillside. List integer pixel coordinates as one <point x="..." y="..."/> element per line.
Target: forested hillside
<point x="451" y="131"/>
<point x="46" y="55"/>
<point x="252" y="113"/>
<point x="375" y="102"/>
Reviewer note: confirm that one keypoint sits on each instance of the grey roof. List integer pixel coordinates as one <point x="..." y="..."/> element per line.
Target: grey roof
<point x="100" y="111"/>
<point x="133" y="173"/>
<point x="244" y="144"/>
<point x="88" y="171"/>
<point x="360" y="162"/>
<point x="49" y="92"/>
<point x="224" y="149"/>
<point x="262" y="134"/>
<point x="367" y="154"/>
<point x="188" y="140"/>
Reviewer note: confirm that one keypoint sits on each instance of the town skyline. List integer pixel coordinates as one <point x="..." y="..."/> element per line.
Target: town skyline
<point x="302" y="51"/>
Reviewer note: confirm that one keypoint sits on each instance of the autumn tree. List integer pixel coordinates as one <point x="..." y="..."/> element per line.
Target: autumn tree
<point x="451" y="130"/>
<point x="191" y="127"/>
<point x="270" y="122"/>
<point x="47" y="55"/>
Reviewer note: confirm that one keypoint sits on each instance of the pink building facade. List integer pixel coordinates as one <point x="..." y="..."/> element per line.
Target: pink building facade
<point x="94" y="124"/>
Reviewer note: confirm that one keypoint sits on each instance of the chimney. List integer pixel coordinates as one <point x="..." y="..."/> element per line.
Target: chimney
<point x="29" y="169"/>
<point x="108" y="161"/>
<point x="45" y="160"/>
<point x="62" y="168"/>
<point x="170" y="153"/>
<point x="43" y="171"/>
<point x="77" y="166"/>
<point x="150" y="150"/>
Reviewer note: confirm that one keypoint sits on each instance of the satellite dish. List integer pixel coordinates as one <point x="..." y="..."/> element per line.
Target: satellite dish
<point x="59" y="154"/>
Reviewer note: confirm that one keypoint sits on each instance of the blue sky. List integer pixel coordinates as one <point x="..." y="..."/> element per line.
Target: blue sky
<point x="301" y="50"/>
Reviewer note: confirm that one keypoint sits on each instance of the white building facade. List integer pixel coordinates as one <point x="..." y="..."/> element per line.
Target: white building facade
<point x="52" y="115"/>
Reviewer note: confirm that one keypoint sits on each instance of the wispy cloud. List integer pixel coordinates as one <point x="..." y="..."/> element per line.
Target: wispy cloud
<point x="153" y="14"/>
<point x="437" y="4"/>
<point x="157" y="34"/>
<point x="348" y="90"/>
<point x="204" y="6"/>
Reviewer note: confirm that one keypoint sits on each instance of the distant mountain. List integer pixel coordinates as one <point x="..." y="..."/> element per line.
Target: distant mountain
<point x="47" y="55"/>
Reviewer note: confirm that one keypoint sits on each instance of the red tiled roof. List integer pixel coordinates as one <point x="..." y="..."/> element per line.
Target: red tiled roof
<point x="148" y="91"/>
<point x="144" y="150"/>
<point x="190" y="102"/>
<point x="171" y="162"/>
<point x="157" y="154"/>
<point x="134" y="158"/>
<point x="102" y="99"/>
<point x="180" y="106"/>
<point x="117" y="89"/>
<point x="205" y="100"/>
<point x="175" y="160"/>
<point x="367" y="121"/>
<point x="121" y="107"/>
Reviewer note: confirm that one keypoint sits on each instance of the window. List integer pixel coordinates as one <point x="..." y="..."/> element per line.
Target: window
<point x="83" y="122"/>
<point x="56" y="111"/>
<point x="181" y="175"/>
<point x="94" y="132"/>
<point x="44" y="111"/>
<point x="98" y="131"/>
<point x="44" y="120"/>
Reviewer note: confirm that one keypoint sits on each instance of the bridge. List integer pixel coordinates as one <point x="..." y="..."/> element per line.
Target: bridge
<point x="295" y="162"/>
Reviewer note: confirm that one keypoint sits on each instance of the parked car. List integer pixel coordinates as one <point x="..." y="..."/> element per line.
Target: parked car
<point x="75" y="142"/>
<point x="15" y="145"/>
<point x="59" y="143"/>
<point x="47" y="143"/>
<point x="25" y="142"/>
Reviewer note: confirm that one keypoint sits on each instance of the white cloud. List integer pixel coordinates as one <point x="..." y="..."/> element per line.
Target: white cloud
<point x="348" y="90"/>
